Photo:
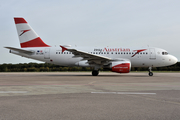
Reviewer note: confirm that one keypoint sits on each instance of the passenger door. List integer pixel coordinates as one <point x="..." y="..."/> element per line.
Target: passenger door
<point x="152" y="53"/>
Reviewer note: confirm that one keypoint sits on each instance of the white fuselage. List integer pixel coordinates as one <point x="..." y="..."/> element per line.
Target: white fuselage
<point x="149" y="57"/>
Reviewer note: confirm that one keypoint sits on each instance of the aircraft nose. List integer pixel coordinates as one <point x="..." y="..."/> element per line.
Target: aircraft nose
<point x="174" y="59"/>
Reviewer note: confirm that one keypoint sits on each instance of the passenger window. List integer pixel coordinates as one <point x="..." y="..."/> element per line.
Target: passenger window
<point x="111" y="52"/>
<point x="104" y="53"/>
<point x="107" y="52"/>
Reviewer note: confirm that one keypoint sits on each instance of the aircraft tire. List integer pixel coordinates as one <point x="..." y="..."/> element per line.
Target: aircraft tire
<point x="95" y="73"/>
<point x="150" y="73"/>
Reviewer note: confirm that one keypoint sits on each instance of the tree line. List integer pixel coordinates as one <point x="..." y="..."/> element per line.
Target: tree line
<point x="46" y="67"/>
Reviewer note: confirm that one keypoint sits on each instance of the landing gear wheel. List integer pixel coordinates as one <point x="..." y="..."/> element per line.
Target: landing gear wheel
<point x="150" y="73"/>
<point x="95" y="73"/>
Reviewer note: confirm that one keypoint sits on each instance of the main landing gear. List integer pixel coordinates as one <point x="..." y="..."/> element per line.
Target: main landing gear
<point x="95" y="72"/>
<point x="150" y="72"/>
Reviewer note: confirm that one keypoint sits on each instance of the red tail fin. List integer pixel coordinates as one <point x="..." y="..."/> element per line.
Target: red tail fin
<point x="27" y="36"/>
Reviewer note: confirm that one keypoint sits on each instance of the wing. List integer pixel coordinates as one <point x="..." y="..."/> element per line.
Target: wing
<point x="91" y="58"/>
<point x="20" y="50"/>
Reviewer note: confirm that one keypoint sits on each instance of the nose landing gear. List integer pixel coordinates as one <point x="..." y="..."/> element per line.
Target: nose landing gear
<point x="150" y="72"/>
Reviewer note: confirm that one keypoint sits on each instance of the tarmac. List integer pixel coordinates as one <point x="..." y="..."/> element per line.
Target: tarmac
<point x="80" y="96"/>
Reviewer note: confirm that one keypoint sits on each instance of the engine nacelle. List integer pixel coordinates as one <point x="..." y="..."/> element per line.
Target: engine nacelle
<point x="120" y="66"/>
<point x="83" y="64"/>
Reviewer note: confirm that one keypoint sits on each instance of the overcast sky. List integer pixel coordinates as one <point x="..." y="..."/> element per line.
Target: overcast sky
<point x="128" y="23"/>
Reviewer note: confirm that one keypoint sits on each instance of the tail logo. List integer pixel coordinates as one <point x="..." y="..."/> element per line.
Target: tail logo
<point x="24" y="31"/>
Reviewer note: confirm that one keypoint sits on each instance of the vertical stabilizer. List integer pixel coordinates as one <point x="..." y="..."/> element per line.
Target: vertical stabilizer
<point x="27" y="36"/>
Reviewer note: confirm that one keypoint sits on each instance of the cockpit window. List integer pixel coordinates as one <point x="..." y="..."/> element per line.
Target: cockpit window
<point x="164" y="53"/>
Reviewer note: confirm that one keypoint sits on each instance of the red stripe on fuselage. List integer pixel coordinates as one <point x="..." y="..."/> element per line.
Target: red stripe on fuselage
<point x="138" y="51"/>
<point x="37" y="42"/>
<point x="19" y="20"/>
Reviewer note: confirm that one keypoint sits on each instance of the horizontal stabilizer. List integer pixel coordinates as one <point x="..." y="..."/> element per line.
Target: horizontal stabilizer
<point x="20" y="50"/>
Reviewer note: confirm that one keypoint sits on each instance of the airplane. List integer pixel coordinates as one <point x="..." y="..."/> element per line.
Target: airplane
<point x="116" y="59"/>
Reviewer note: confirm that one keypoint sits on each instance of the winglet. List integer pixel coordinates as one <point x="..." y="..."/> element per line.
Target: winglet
<point x="63" y="48"/>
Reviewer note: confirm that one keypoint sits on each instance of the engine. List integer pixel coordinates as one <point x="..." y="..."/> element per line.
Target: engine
<point x="83" y="63"/>
<point x="119" y="66"/>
